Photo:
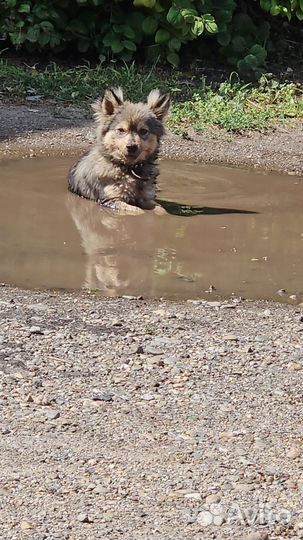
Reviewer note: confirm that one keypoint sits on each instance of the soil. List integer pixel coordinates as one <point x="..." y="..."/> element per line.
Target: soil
<point x="52" y="130"/>
<point x="122" y="418"/>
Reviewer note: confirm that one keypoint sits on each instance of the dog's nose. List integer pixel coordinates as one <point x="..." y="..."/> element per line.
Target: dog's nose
<point x="132" y="148"/>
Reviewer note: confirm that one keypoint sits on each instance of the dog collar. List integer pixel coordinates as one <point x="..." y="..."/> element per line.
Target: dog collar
<point x="137" y="172"/>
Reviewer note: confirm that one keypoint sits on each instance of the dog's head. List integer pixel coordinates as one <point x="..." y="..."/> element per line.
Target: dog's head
<point x="130" y="132"/>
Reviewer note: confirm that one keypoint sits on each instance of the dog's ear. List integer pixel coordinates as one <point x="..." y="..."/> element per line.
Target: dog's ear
<point x="158" y="103"/>
<point x="111" y="101"/>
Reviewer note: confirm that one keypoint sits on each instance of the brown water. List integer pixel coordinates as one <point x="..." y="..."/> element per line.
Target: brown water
<point x="238" y="231"/>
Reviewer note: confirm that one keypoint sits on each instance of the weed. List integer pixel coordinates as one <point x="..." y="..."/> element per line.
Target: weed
<point x="196" y="105"/>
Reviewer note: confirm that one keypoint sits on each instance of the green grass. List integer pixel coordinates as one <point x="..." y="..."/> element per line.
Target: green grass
<point x="231" y="105"/>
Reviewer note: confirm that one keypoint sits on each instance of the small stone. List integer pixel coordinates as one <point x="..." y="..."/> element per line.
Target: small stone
<point x="300" y="486"/>
<point x="151" y="349"/>
<point x="148" y="397"/>
<point x="136" y="349"/>
<point x="218" y="520"/>
<point x="230" y="337"/>
<point x="131" y="297"/>
<point x="262" y="443"/>
<point x="205" y="518"/>
<point x="294" y="366"/>
<point x="281" y="292"/>
<point x="194" y="496"/>
<point x="248" y="349"/>
<point x="52" y="415"/>
<point x="293" y="453"/>
<point x="213" y="499"/>
<point x="26" y="525"/>
<point x="228" y="306"/>
<point x="261" y="535"/>
<point x="83" y="518"/>
<point x="103" y="397"/>
<point x="35" y="330"/>
<point x="244" y="488"/>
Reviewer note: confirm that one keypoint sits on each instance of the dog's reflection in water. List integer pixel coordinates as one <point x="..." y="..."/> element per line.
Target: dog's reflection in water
<point x="114" y="246"/>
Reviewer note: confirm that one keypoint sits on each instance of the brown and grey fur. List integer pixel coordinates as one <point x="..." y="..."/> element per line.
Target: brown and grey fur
<point x="121" y="171"/>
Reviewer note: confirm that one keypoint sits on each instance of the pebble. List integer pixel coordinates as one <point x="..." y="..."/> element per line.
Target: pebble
<point x="244" y="488"/>
<point x="205" y="518"/>
<point x="35" y="330"/>
<point x="26" y="525"/>
<point x="136" y="349"/>
<point x="293" y="453"/>
<point x="194" y="496"/>
<point x="262" y="535"/>
<point x="52" y="415"/>
<point x="83" y="518"/>
<point x="295" y="366"/>
<point x="148" y="397"/>
<point x="230" y="337"/>
<point x="213" y="499"/>
<point x="103" y="397"/>
<point x="218" y="520"/>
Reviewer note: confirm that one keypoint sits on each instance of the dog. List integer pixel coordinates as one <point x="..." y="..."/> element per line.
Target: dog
<point x="120" y="171"/>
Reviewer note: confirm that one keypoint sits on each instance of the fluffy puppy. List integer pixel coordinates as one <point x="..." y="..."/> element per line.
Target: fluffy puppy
<point x="120" y="171"/>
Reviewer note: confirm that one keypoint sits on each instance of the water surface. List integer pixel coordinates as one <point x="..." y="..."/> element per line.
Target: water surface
<point x="228" y="231"/>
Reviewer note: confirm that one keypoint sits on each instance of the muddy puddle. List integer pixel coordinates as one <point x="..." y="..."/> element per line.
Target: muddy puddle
<point x="228" y="232"/>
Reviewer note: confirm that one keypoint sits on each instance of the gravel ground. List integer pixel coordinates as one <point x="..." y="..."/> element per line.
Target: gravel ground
<point x="149" y="420"/>
<point x="52" y="130"/>
<point x="122" y="418"/>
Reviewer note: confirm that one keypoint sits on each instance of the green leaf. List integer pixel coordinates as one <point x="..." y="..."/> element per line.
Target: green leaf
<point x="174" y="44"/>
<point x="174" y="16"/>
<point x="43" y="39"/>
<point x="24" y="8"/>
<point x="259" y="52"/>
<point x="265" y="4"/>
<point x="150" y="25"/>
<point x="11" y="3"/>
<point x="198" y="27"/>
<point x="173" y="59"/>
<point x="145" y="3"/>
<point x="54" y="41"/>
<point x="33" y="34"/>
<point x="47" y="26"/>
<point x="162" y="36"/>
<point x="130" y="45"/>
<point x="275" y="10"/>
<point x="116" y="46"/>
<point x="17" y="38"/>
<point x="251" y="60"/>
<point x="128" y="31"/>
<point x="189" y="14"/>
<point x="239" y="44"/>
<point x="108" y="39"/>
<point x="211" y="27"/>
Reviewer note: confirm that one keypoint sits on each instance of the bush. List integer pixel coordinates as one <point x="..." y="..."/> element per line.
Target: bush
<point x="237" y="32"/>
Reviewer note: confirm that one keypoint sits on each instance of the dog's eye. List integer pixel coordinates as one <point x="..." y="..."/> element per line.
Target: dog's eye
<point x="121" y="130"/>
<point x="143" y="132"/>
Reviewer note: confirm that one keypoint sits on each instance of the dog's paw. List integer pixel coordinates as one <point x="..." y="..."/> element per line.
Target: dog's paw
<point x="159" y="210"/>
<point x="128" y="209"/>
